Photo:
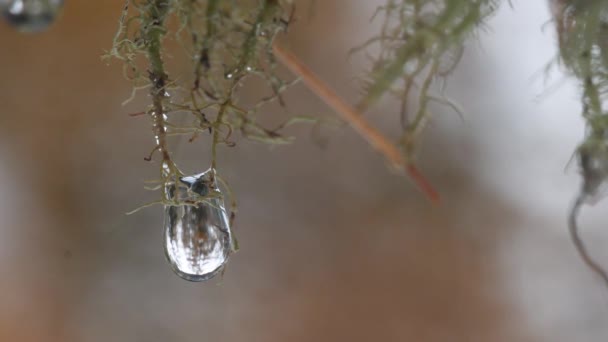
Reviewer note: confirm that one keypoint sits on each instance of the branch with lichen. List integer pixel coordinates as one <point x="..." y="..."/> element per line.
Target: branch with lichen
<point x="226" y="43"/>
<point x="152" y="32"/>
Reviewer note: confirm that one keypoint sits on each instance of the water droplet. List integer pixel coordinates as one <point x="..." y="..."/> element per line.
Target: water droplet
<point x="31" y="15"/>
<point x="229" y="75"/>
<point x="249" y="68"/>
<point x="166" y="169"/>
<point x="198" y="239"/>
<point x="260" y="31"/>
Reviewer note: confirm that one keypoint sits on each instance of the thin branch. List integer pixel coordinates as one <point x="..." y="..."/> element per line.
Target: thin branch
<point x="578" y="243"/>
<point x="348" y="113"/>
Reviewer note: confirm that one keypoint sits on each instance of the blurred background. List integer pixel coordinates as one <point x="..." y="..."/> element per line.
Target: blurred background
<point x="333" y="246"/>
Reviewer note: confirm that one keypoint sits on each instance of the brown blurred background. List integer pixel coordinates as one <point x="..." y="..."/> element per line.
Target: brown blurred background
<point x="333" y="246"/>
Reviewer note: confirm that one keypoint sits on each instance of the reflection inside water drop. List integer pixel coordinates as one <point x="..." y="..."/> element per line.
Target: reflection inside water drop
<point x="30" y="15"/>
<point x="198" y="239"/>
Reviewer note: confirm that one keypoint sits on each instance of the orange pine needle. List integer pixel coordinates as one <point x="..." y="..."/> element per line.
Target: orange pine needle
<point x="374" y="137"/>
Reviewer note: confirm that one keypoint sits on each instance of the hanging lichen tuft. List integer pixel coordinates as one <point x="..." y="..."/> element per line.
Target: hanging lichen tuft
<point x="226" y="42"/>
<point x="420" y="43"/>
<point x="582" y="27"/>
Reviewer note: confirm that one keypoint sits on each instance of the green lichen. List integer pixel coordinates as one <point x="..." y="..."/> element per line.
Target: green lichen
<point x="420" y="43"/>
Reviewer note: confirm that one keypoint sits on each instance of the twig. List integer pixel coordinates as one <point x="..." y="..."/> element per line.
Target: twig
<point x="578" y="243"/>
<point x="348" y="113"/>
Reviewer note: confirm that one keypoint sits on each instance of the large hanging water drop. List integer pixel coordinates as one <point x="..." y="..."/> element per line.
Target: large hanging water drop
<point x="30" y="15"/>
<point x="198" y="239"/>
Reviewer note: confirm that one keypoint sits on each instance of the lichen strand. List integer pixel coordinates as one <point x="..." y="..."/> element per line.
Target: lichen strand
<point x="226" y="42"/>
<point x="582" y="27"/>
<point x="421" y="42"/>
<point x="152" y="33"/>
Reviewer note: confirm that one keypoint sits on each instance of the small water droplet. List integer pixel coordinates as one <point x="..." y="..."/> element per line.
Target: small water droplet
<point x="198" y="239"/>
<point x="31" y="15"/>
<point x="249" y="68"/>
<point x="232" y="73"/>
<point x="260" y="31"/>
<point x="166" y="169"/>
